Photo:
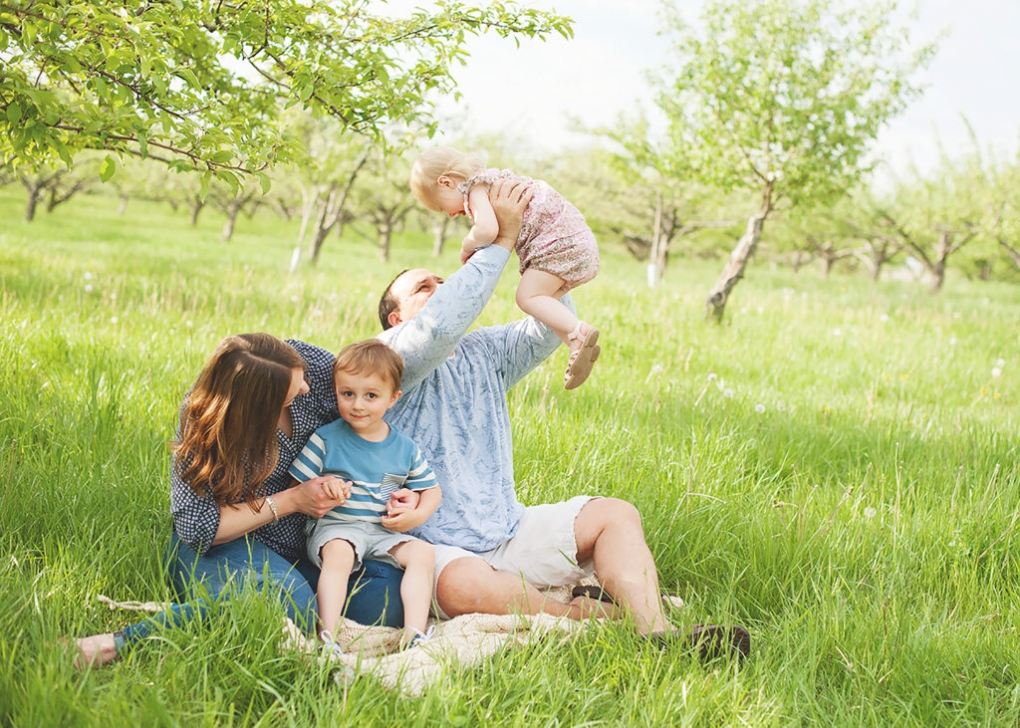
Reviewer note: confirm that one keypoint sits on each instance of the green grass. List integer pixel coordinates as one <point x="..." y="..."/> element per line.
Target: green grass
<point x="863" y="523"/>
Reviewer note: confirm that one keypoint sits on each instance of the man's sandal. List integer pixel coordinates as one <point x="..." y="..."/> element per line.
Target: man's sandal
<point x="583" y="356"/>
<point x="709" y="641"/>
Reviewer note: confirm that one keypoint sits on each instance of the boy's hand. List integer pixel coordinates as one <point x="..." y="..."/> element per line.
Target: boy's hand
<point x="337" y="488"/>
<point x="402" y="501"/>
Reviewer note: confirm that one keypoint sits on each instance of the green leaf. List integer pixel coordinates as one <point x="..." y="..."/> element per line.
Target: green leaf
<point x="14" y="113"/>
<point x="107" y="168"/>
<point x="265" y="182"/>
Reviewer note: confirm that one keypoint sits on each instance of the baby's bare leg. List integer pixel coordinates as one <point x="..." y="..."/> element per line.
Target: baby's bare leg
<point x="537" y="295"/>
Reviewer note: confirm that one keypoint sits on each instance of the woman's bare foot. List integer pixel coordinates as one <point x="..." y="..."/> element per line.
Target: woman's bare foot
<point x="95" y="650"/>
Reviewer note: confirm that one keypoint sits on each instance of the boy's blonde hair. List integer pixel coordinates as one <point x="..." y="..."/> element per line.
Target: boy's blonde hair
<point x="433" y="164"/>
<point x="370" y="356"/>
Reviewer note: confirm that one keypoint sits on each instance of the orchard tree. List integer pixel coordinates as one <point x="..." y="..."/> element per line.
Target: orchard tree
<point x="383" y="198"/>
<point x="200" y="85"/>
<point x="783" y="98"/>
<point x="657" y="185"/>
<point x="53" y="185"/>
<point x="1003" y="221"/>
<point x="934" y="216"/>
<point x="323" y="182"/>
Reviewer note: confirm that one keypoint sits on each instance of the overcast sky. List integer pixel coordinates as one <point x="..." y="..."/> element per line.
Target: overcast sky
<point x="528" y="92"/>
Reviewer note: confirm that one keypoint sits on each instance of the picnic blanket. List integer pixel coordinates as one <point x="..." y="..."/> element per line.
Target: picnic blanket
<point x="463" y="641"/>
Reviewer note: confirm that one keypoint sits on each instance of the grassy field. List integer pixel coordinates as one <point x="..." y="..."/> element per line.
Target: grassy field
<point x="834" y="467"/>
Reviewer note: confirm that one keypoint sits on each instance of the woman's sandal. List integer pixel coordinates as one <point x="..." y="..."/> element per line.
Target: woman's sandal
<point x="581" y="359"/>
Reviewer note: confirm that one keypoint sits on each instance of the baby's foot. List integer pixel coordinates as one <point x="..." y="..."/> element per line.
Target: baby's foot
<point x="584" y="350"/>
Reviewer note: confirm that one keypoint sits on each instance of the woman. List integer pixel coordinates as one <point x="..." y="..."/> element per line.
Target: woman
<point x="236" y="518"/>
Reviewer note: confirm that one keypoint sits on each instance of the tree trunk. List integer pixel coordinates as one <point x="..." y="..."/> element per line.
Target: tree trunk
<point x="439" y="231"/>
<point x="715" y="304"/>
<point x="657" y="255"/>
<point x="938" y="267"/>
<point x="34" y="192"/>
<point x="1013" y="253"/>
<point x="122" y="208"/>
<point x="323" y="226"/>
<point x="385" y="234"/>
<point x="196" y="206"/>
<point x="228" y="227"/>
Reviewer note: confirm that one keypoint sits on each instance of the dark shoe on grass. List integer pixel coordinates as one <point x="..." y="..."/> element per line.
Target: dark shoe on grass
<point x="591" y="592"/>
<point x="709" y="641"/>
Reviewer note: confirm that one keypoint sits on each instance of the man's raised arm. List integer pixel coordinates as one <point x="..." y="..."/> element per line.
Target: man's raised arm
<point x="427" y="339"/>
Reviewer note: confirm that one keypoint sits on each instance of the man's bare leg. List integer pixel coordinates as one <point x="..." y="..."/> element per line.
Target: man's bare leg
<point x="469" y="585"/>
<point x="609" y="533"/>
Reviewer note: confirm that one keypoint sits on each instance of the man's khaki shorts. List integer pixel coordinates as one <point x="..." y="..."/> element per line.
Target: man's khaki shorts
<point x="543" y="551"/>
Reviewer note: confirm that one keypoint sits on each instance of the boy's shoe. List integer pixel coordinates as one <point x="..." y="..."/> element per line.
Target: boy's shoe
<point x="421" y="638"/>
<point x="330" y="648"/>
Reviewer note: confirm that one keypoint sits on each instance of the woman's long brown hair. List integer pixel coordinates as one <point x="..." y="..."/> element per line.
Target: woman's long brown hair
<point x="227" y="445"/>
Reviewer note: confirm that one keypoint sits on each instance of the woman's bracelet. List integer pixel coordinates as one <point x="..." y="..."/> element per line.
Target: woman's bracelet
<point x="272" y="507"/>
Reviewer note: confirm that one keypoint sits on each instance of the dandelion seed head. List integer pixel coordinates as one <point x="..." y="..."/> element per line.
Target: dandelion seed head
<point x="88" y="275"/>
<point x="952" y="341"/>
<point x="870" y="512"/>
<point x="884" y="318"/>
<point x="759" y="408"/>
<point x="727" y="392"/>
<point x="88" y="288"/>
<point x="712" y="376"/>
<point x="657" y="369"/>
<point x="189" y="323"/>
<point x="996" y="372"/>
<point x="1000" y="363"/>
<point x="837" y="332"/>
<point x="114" y="319"/>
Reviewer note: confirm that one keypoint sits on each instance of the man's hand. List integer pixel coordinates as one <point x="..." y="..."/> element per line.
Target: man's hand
<point x="509" y="200"/>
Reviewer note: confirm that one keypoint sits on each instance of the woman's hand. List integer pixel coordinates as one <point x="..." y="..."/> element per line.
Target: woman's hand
<point x="318" y="496"/>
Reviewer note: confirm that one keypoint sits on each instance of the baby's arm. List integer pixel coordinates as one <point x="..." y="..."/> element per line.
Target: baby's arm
<point x="484" y="228"/>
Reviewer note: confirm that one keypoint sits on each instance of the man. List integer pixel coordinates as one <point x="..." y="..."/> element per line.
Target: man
<point x="493" y="554"/>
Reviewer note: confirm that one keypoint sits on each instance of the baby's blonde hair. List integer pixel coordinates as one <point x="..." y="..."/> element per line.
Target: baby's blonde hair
<point x="433" y="164"/>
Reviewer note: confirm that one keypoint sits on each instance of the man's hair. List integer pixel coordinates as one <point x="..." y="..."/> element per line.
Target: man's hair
<point x="370" y="356"/>
<point x="388" y="303"/>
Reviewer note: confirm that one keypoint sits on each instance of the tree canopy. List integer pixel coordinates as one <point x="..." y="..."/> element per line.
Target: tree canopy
<point x="784" y="98"/>
<point x="201" y="84"/>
